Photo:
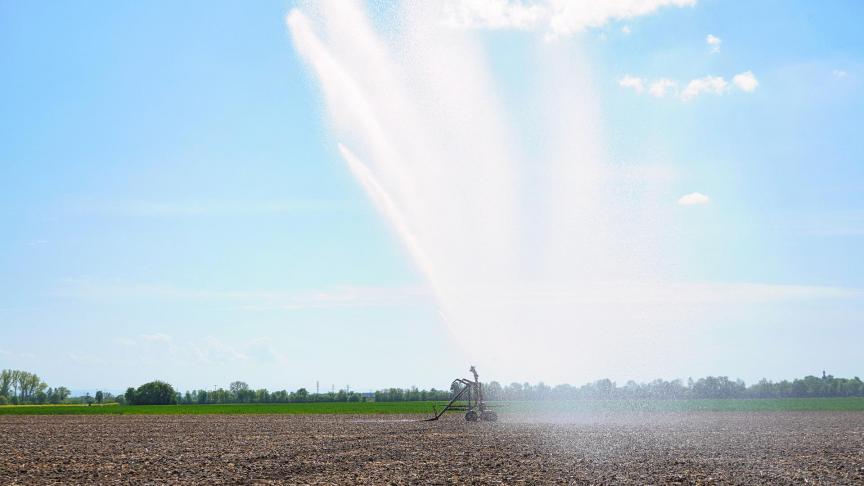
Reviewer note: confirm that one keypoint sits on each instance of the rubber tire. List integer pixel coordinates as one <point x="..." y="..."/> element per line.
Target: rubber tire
<point x="489" y="416"/>
<point x="470" y="416"/>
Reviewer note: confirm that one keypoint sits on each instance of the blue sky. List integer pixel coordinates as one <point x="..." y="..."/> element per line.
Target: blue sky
<point x="173" y="204"/>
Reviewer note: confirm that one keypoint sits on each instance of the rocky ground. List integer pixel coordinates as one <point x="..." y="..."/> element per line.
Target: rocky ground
<point x="742" y="448"/>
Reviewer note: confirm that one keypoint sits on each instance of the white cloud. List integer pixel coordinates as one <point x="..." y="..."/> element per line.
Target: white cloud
<point x="625" y="30"/>
<point x="556" y="17"/>
<point x="839" y="73"/>
<point x="694" y="199"/>
<point x="746" y="81"/>
<point x="662" y="87"/>
<point x="708" y="84"/>
<point x="632" y="82"/>
<point x="714" y="42"/>
<point x="494" y="14"/>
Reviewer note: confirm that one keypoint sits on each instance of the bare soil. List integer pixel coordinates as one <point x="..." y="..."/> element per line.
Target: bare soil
<point x="725" y="448"/>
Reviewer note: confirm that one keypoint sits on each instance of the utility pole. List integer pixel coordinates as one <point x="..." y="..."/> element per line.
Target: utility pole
<point x="317" y="391"/>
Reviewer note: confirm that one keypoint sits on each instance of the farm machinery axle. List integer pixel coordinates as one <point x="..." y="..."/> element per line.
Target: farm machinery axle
<point x="471" y="393"/>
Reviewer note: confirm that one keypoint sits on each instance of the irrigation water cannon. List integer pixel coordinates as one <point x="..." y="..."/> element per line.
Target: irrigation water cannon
<point x="470" y="399"/>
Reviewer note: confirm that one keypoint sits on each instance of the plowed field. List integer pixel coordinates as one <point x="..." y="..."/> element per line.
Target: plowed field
<point x="704" y="447"/>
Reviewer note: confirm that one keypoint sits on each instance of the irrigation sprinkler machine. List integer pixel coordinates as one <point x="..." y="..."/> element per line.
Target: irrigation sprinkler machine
<point x="469" y="398"/>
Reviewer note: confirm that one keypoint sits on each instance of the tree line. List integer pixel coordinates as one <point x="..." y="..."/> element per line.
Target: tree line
<point x="704" y="388"/>
<point x="239" y="392"/>
<point x="21" y="387"/>
<point x="711" y="387"/>
<point x="161" y="393"/>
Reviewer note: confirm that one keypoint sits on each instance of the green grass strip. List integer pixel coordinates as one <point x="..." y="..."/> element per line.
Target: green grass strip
<point x="855" y="404"/>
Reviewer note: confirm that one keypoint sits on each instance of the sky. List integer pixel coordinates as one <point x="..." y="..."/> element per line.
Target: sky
<point x="174" y="203"/>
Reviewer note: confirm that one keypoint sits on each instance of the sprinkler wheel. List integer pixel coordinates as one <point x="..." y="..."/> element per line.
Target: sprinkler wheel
<point x="488" y="416"/>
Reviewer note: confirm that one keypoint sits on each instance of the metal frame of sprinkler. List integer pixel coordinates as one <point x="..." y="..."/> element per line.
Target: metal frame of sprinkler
<point x="472" y="393"/>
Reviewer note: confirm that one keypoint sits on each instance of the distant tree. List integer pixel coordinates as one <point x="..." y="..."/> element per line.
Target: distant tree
<point x="130" y="396"/>
<point x="22" y="387"/>
<point x="154" y="393"/>
<point x="541" y="391"/>
<point x="492" y="390"/>
<point x="514" y="392"/>
<point x="14" y="380"/>
<point x="62" y="393"/>
<point x="5" y="383"/>
<point x="99" y="396"/>
<point x="241" y="391"/>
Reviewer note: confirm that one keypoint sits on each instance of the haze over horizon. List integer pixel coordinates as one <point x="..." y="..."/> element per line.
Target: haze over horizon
<point x="193" y="192"/>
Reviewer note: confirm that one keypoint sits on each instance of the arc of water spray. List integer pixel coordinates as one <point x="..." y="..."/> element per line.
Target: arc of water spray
<point x="390" y="210"/>
<point x="339" y="84"/>
<point x="430" y="143"/>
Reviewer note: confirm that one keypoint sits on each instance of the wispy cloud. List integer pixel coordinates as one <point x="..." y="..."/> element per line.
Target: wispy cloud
<point x="13" y="355"/>
<point x="209" y="350"/>
<point x="831" y="224"/>
<point x="155" y="209"/>
<point x="335" y="297"/>
<point x="85" y="359"/>
<point x="157" y="337"/>
<point x="688" y="293"/>
<point x="213" y="350"/>
<point x="553" y="17"/>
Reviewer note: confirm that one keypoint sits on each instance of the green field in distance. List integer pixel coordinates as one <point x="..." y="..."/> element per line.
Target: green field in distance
<point x="598" y="406"/>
